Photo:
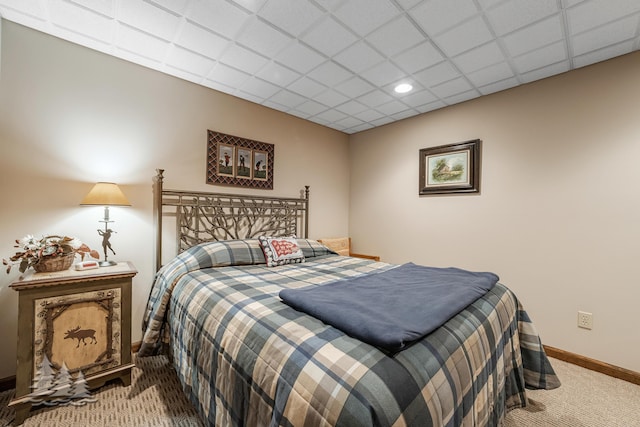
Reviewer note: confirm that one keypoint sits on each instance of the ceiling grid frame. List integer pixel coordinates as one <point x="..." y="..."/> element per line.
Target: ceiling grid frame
<point x="335" y="86"/>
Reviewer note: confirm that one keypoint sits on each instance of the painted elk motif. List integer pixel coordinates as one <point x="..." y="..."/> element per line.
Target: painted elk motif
<point x="81" y="334"/>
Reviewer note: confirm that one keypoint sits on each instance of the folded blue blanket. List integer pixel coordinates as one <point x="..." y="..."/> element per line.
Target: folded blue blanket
<point x="392" y="309"/>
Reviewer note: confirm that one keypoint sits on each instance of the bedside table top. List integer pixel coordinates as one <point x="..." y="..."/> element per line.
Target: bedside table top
<point x="31" y="279"/>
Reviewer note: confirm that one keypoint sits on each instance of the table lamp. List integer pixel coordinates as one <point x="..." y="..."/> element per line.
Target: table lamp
<point x="105" y="194"/>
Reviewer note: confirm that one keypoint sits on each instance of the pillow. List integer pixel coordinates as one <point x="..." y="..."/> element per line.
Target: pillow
<point x="281" y="250"/>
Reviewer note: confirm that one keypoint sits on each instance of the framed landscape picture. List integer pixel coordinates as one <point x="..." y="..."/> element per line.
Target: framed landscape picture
<point x="236" y="161"/>
<point x="453" y="168"/>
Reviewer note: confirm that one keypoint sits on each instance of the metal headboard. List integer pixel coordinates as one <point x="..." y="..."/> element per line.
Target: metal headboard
<point x="203" y="217"/>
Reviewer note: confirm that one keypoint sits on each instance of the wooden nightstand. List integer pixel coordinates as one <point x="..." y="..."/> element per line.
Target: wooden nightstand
<point x="81" y="319"/>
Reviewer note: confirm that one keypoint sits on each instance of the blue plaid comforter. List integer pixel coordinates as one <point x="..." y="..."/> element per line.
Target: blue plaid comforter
<point x="246" y="358"/>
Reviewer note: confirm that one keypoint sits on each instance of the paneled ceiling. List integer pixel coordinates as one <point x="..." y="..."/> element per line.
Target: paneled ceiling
<point x="336" y="62"/>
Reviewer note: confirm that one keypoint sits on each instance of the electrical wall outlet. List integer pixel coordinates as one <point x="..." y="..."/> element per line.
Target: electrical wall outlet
<point x="585" y="320"/>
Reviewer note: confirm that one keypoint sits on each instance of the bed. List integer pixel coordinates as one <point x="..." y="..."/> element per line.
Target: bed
<point x="244" y="357"/>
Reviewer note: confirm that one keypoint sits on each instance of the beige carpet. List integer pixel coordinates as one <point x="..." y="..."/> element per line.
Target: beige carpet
<point x="586" y="399"/>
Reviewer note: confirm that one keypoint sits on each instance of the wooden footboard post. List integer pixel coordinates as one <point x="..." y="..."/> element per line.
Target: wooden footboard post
<point x="157" y="217"/>
<point x="306" y="212"/>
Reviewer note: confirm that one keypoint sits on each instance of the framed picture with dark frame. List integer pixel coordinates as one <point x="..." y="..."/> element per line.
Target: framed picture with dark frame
<point x="237" y="161"/>
<point x="450" y="169"/>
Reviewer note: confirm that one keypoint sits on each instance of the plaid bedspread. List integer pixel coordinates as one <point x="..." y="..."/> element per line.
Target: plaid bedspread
<point x="246" y="358"/>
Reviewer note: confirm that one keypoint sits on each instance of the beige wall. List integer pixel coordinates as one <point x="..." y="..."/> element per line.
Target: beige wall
<point x="70" y="116"/>
<point x="558" y="217"/>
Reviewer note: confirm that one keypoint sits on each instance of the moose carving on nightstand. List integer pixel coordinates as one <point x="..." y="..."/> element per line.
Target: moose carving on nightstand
<point x="81" y="334"/>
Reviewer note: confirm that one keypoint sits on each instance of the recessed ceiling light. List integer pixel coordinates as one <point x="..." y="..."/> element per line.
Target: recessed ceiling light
<point x="403" y="88"/>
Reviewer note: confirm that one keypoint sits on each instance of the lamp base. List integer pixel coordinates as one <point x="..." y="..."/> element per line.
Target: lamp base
<point x="107" y="263"/>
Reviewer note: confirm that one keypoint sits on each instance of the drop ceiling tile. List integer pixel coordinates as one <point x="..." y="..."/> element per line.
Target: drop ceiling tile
<point x="349" y="122"/>
<point x="176" y="6"/>
<point x="331" y="115"/>
<point x="498" y="86"/>
<point x="330" y="74"/>
<point x="544" y="72"/>
<point x="404" y="114"/>
<point x="479" y="58"/>
<point x="431" y="107"/>
<point x="185" y="60"/>
<point x="514" y="14"/>
<point x="351" y="108"/>
<point x="251" y="5"/>
<point x="311" y="107"/>
<point x="437" y="74"/>
<point x="34" y="9"/>
<point x="541" y="57"/>
<point x="140" y="43"/>
<point x="587" y="15"/>
<point x="603" y="54"/>
<point x="491" y="74"/>
<point x="293" y="17"/>
<point x="288" y="98"/>
<point x="198" y="39"/>
<point x="438" y="15"/>
<point x="383" y="74"/>
<point x="451" y="88"/>
<point x="329" y="37"/>
<point x="137" y="59"/>
<point x="220" y="87"/>
<point x="262" y="38"/>
<point x="408" y="4"/>
<point x="331" y="98"/>
<point x="230" y="76"/>
<point x="382" y="121"/>
<point x="360" y="128"/>
<point x="461" y="97"/>
<point x="330" y="5"/>
<point x="395" y="37"/>
<point x="299" y="114"/>
<point x="277" y="74"/>
<point x="364" y="16"/>
<point x="307" y="87"/>
<point x="89" y="42"/>
<point x="534" y="36"/>
<point x="221" y="17"/>
<point x="419" y="98"/>
<point x="104" y="7"/>
<point x="299" y="57"/>
<point x="276" y="105"/>
<point x="464" y="37"/>
<point x="182" y="74"/>
<point x="354" y="87"/>
<point x="259" y="88"/>
<point x="369" y="115"/>
<point x="607" y="35"/>
<point x="319" y="121"/>
<point x="358" y="57"/>
<point x="392" y="107"/>
<point x="148" y="18"/>
<point x="418" y="58"/>
<point x="243" y="59"/>
<point x="84" y="21"/>
<point x="486" y="4"/>
<point x="375" y="98"/>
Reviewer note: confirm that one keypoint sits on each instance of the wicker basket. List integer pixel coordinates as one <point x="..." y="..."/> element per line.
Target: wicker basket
<point x="51" y="263"/>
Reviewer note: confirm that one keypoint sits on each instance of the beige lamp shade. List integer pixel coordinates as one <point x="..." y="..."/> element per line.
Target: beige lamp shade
<point x="105" y="194"/>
